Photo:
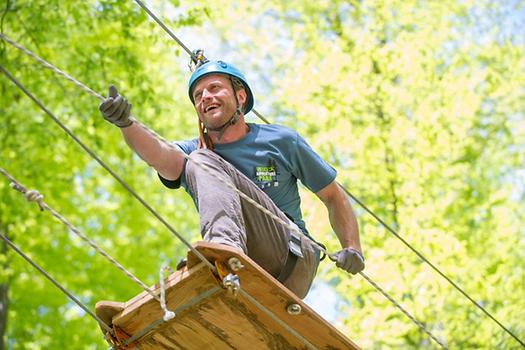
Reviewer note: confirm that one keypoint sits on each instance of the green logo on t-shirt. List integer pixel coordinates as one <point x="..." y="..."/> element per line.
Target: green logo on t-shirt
<point x="265" y="173"/>
<point x="266" y="176"/>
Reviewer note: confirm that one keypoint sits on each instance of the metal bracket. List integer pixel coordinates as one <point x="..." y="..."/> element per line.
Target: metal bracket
<point x="232" y="284"/>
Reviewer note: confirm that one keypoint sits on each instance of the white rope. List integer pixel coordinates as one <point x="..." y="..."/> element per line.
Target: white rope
<point x="168" y="315"/>
<point x="35" y="196"/>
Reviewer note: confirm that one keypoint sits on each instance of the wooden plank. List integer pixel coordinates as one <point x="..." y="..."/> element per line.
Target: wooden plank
<point x="271" y="293"/>
<point x="211" y="318"/>
<point x="144" y="309"/>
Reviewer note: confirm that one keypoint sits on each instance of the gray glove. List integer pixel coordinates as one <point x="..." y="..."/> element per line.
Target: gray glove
<point x="349" y="260"/>
<point x="115" y="109"/>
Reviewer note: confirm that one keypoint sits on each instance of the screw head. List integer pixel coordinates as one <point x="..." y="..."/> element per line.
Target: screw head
<point x="235" y="264"/>
<point x="294" y="309"/>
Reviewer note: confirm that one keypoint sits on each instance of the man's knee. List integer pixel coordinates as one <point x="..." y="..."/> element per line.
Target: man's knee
<point x="198" y="158"/>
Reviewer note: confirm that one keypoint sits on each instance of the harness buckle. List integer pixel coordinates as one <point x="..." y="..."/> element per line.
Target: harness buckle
<point x="294" y="245"/>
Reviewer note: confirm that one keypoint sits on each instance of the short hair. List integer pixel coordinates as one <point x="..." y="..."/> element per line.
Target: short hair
<point x="237" y="83"/>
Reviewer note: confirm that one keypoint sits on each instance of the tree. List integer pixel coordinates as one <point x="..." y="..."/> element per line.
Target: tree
<point x="97" y="42"/>
<point x="419" y="106"/>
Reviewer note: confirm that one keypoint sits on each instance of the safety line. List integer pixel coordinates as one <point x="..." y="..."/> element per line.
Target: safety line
<point x="375" y="216"/>
<point x="35" y="196"/>
<point x="202" y="166"/>
<point x="160" y="23"/>
<point x="94" y="156"/>
<point x="52" y="280"/>
<point x="418" y="323"/>
<point x="422" y="257"/>
<point x="48" y="65"/>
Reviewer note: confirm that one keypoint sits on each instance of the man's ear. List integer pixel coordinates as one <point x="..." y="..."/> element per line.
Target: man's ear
<point x="242" y="96"/>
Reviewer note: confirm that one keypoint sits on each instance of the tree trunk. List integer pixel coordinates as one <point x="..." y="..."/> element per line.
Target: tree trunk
<point x="3" y="293"/>
<point x="3" y="313"/>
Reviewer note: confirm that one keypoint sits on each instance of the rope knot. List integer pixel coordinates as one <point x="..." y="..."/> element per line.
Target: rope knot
<point x="31" y="195"/>
<point x="168" y="315"/>
<point x="35" y="196"/>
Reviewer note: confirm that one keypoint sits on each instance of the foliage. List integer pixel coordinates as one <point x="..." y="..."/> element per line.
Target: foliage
<point x="419" y="106"/>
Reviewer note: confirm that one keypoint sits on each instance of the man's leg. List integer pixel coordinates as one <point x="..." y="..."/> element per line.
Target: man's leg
<point x="228" y="219"/>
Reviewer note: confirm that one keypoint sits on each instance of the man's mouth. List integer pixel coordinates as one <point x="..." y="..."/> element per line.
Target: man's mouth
<point x="211" y="107"/>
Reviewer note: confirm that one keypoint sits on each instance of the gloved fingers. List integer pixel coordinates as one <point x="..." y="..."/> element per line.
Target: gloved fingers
<point x="128" y="110"/>
<point x="106" y="104"/>
<point x="358" y="264"/>
<point x="120" y="112"/>
<point x="341" y="259"/>
<point x="115" y="106"/>
<point x="350" y="260"/>
<point x="112" y="91"/>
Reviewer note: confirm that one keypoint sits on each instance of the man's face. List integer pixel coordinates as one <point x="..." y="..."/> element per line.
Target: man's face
<point x="214" y="100"/>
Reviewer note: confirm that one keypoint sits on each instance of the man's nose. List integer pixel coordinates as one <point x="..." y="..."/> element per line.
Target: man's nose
<point x="206" y="94"/>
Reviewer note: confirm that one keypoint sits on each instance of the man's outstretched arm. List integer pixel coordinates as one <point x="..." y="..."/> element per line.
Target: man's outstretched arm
<point x="165" y="159"/>
<point x="344" y="223"/>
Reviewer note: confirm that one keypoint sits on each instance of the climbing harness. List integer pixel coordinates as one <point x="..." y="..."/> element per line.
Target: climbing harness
<point x="294" y="253"/>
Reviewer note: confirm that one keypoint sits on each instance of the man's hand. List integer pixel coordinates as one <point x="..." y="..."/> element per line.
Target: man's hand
<point x="115" y="109"/>
<point x="349" y="260"/>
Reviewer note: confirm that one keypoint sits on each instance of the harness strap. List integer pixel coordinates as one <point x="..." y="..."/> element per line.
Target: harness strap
<point x="294" y="252"/>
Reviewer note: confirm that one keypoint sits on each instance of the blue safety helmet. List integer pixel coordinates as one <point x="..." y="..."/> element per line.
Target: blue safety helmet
<point x="220" y="67"/>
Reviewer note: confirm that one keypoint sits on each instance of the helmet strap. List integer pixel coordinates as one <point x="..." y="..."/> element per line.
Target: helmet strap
<point x="204" y="139"/>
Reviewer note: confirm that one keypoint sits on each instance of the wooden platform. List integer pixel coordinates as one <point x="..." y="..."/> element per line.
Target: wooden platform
<point x="261" y="314"/>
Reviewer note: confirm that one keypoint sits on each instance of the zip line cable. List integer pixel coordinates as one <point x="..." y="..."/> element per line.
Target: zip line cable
<point x="231" y="186"/>
<point x="364" y="207"/>
<point x="52" y="280"/>
<point x="412" y="318"/>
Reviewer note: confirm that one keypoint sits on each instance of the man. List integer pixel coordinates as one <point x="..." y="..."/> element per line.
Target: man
<point x="262" y="161"/>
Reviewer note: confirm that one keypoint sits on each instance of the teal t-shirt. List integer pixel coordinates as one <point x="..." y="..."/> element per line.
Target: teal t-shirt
<point x="274" y="157"/>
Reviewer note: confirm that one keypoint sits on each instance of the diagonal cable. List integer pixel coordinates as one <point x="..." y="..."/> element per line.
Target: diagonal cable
<point x="58" y="285"/>
<point x="35" y="196"/>
<point x="403" y="310"/>
<point x="435" y="268"/>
